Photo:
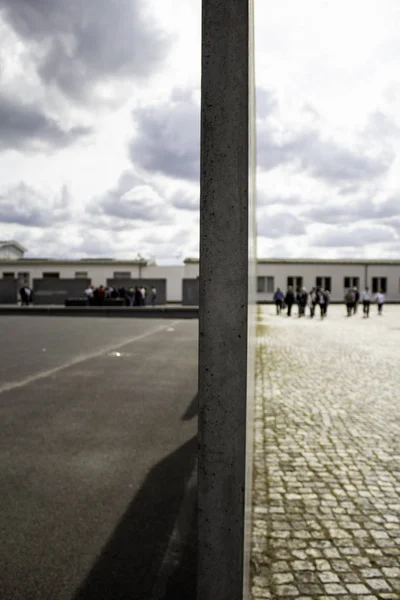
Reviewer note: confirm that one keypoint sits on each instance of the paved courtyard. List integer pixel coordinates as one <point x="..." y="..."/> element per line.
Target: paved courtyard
<point x="327" y="457"/>
<point x="97" y="449"/>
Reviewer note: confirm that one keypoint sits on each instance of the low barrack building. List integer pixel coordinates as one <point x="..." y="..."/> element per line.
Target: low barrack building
<point x="181" y="281"/>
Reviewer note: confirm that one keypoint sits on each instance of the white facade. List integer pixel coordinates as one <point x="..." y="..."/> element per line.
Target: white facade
<point x="336" y="275"/>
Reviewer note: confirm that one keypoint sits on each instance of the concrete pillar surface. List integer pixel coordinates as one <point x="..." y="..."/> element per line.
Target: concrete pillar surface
<point x="224" y="294"/>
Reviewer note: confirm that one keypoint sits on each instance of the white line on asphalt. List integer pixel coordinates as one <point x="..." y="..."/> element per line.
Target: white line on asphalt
<point x="80" y="359"/>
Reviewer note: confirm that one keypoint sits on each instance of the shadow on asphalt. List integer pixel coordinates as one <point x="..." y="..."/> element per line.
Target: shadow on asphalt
<point x="128" y="565"/>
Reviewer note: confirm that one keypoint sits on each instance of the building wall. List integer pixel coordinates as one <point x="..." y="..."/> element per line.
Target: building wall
<point x="337" y="272"/>
<point x="280" y="271"/>
<point x="173" y="275"/>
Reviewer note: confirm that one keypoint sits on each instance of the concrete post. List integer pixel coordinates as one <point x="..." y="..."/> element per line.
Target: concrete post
<point x="224" y="294"/>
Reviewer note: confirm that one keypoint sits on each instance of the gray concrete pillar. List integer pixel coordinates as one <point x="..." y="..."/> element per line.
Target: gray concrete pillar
<point x="226" y="221"/>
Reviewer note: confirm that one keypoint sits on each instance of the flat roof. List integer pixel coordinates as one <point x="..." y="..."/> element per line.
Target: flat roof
<point x="316" y="261"/>
<point x="77" y="262"/>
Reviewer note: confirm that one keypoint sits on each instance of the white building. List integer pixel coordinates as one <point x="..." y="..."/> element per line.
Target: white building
<point x="335" y="275"/>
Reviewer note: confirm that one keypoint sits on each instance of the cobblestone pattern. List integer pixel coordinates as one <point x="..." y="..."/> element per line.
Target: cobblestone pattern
<point x="326" y="517"/>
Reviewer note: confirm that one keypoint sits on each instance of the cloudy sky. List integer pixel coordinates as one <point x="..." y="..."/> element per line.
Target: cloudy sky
<point x="99" y="127"/>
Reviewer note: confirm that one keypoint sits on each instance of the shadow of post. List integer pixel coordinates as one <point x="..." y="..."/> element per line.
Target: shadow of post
<point x="128" y="565"/>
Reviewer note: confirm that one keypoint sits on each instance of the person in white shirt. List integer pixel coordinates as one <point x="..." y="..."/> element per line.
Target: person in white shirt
<point x="366" y="300"/>
<point x="380" y="300"/>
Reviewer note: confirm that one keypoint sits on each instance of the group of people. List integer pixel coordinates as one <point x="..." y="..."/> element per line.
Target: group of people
<point x="320" y="297"/>
<point x="352" y="299"/>
<point x="316" y="297"/>
<point x="138" y="296"/>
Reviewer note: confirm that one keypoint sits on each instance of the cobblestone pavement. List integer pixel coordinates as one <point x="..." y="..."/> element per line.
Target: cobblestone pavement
<point x="326" y="516"/>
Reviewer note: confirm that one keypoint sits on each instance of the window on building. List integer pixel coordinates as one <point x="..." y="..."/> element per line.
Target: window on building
<point x="81" y="275"/>
<point x="8" y="275"/>
<point x="270" y="285"/>
<point x="295" y="282"/>
<point x="51" y="275"/>
<point x="323" y="282"/>
<point x="378" y="284"/>
<point x="351" y="282"/>
<point x="265" y="285"/>
<point x="122" y="275"/>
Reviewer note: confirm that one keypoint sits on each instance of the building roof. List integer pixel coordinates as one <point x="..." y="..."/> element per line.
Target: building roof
<point x="316" y="261"/>
<point x="77" y="262"/>
<point x="329" y="261"/>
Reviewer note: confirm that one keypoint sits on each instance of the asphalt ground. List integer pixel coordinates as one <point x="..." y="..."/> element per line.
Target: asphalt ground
<point x="98" y="444"/>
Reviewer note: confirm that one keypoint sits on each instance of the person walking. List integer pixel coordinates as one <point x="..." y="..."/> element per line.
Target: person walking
<point x="366" y="300"/>
<point x="356" y="299"/>
<point x="312" y="302"/>
<point x="380" y="300"/>
<point x="289" y="300"/>
<point x="321" y="301"/>
<point x="349" y="301"/>
<point x="303" y="297"/>
<point x="278" y="299"/>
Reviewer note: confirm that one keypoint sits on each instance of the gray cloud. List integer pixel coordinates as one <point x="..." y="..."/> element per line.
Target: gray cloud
<point x="279" y="225"/>
<point x="186" y="201"/>
<point x="23" y="126"/>
<point x="132" y="199"/>
<point x="22" y="205"/>
<point x="168" y="138"/>
<point x="357" y="210"/>
<point x="355" y="237"/>
<point x="324" y="159"/>
<point x="81" y="42"/>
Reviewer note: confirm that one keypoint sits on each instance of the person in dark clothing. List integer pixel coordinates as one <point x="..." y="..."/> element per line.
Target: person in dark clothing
<point x="289" y="300"/>
<point x="278" y="299"/>
<point x="313" y="299"/>
<point x="349" y="301"/>
<point x="101" y="293"/>
<point x="302" y="298"/>
<point x="321" y="302"/>
<point x="23" y="296"/>
<point x="356" y="299"/>
<point x="138" y="298"/>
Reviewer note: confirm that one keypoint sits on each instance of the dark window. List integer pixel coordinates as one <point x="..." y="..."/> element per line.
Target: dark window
<point x="8" y="275"/>
<point x="51" y="275"/>
<point x="350" y="282"/>
<point x="81" y="275"/>
<point x="323" y="282"/>
<point x="260" y="285"/>
<point x="295" y="282"/>
<point x="378" y="284"/>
